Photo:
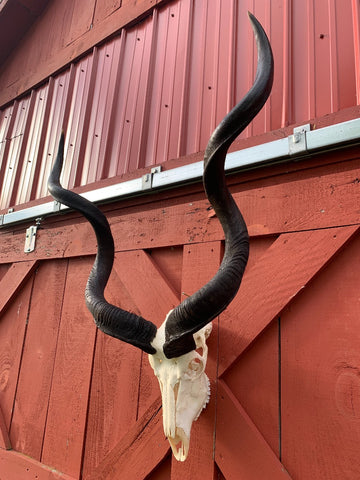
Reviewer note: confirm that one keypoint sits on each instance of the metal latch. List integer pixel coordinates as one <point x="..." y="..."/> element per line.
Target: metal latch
<point x="30" y="238"/>
<point x="297" y="141"/>
<point x="148" y="178"/>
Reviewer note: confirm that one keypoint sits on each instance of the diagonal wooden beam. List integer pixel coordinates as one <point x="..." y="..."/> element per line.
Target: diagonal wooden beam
<point x="284" y="270"/>
<point x="14" y="465"/>
<point x="13" y="280"/>
<point x="145" y="284"/>
<point x="139" y="452"/>
<point x="241" y="451"/>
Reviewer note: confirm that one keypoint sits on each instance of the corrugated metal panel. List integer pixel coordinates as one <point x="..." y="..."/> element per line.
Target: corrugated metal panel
<point x="157" y="91"/>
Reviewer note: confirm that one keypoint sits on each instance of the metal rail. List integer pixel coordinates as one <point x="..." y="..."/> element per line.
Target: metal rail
<point x="303" y="143"/>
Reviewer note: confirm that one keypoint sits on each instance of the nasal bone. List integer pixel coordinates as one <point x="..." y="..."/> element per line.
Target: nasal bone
<point x="169" y="410"/>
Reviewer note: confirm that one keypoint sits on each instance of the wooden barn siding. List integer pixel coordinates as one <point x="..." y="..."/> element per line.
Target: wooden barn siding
<point x="94" y="407"/>
<point x="157" y="89"/>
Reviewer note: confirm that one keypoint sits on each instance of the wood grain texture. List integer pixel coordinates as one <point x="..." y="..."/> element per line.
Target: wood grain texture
<point x="16" y="466"/>
<point x="139" y="452"/>
<point x="114" y="387"/>
<point x="200" y="263"/>
<point x="254" y="381"/>
<point x="65" y="426"/>
<point x="13" y="280"/>
<point x="330" y="198"/>
<point x="4" y="434"/>
<point x="30" y="409"/>
<point x="12" y="335"/>
<point x="281" y="273"/>
<point x="241" y="451"/>
<point x="154" y="297"/>
<point x="321" y="374"/>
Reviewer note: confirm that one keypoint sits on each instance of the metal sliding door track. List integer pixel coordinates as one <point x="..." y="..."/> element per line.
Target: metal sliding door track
<point x="303" y="143"/>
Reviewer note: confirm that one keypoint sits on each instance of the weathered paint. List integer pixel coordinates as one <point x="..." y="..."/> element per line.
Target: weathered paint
<point x="157" y="90"/>
<point x="275" y="380"/>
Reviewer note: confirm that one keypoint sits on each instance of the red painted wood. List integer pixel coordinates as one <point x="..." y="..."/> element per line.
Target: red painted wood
<point x="154" y="297"/>
<point x="320" y="374"/>
<point x="114" y="392"/>
<point x="16" y="466"/>
<point x="30" y="409"/>
<point x="241" y="451"/>
<point x="65" y="426"/>
<point x="254" y="381"/>
<point x="162" y="472"/>
<point x="200" y="263"/>
<point x="139" y="452"/>
<point x="286" y="268"/>
<point x="12" y="334"/>
<point x="13" y="280"/>
<point x="4" y="435"/>
<point x="330" y="197"/>
<point x="146" y="285"/>
<point x="169" y="262"/>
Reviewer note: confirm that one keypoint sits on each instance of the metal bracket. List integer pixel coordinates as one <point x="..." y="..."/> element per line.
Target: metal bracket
<point x="147" y="179"/>
<point x="30" y="237"/>
<point x="57" y="206"/>
<point x="297" y="141"/>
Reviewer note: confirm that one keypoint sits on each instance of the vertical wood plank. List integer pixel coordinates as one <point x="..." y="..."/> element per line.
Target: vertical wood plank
<point x="321" y="374"/>
<point x="200" y="263"/>
<point x="254" y="381"/>
<point x="12" y="334"/>
<point x="4" y="435"/>
<point x="65" y="426"/>
<point x="139" y="452"/>
<point x="32" y="396"/>
<point x="114" y="387"/>
<point x="241" y="451"/>
<point x="154" y="298"/>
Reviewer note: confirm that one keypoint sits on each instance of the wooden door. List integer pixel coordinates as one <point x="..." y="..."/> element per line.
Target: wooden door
<point x="283" y="358"/>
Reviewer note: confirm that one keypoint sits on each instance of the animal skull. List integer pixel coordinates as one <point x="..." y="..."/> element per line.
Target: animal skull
<point x="185" y="388"/>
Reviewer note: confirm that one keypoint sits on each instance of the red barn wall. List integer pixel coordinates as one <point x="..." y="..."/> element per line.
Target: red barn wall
<point x="156" y="90"/>
<point x="283" y="358"/>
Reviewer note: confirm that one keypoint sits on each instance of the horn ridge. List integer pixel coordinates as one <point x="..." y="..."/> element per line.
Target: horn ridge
<point x="112" y="320"/>
<point x="208" y="302"/>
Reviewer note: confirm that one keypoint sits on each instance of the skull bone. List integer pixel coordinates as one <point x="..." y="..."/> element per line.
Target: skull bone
<point x="185" y="388"/>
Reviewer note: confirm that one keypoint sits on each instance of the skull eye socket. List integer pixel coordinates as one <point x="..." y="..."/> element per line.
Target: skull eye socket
<point x="195" y="368"/>
<point x="195" y="364"/>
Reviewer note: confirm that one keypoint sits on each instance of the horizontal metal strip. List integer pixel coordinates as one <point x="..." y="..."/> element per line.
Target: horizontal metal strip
<point x="302" y="143"/>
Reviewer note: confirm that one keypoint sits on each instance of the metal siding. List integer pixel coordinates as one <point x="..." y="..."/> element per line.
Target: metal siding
<point x="157" y="91"/>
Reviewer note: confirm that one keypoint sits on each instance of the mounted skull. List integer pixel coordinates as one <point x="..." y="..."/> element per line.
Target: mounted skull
<point x="185" y="388"/>
<point x="172" y="348"/>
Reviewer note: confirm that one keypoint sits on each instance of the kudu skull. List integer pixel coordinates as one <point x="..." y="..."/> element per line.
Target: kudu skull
<point x="177" y="350"/>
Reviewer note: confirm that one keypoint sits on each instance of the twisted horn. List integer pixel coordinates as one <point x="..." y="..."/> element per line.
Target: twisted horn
<point x="113" y="321"/>
<point x="208" y="302"/>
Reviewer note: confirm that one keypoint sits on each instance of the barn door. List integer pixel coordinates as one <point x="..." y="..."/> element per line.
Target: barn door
<point x="78" y="404"/>
<point x="285" y="386"/>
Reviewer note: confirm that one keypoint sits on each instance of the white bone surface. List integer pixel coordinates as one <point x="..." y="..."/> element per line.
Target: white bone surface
<point x="185" y="388"/>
